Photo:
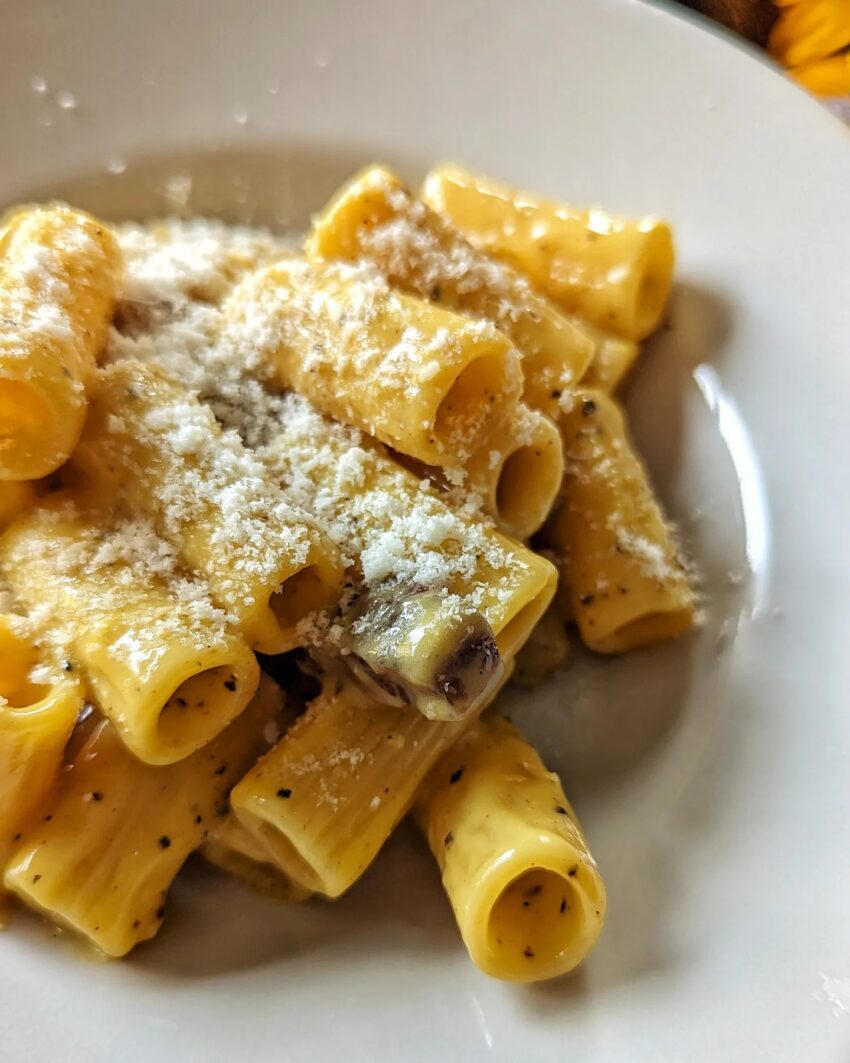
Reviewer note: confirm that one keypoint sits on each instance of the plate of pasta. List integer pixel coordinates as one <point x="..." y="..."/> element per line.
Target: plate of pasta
<point x="420" y="481"/>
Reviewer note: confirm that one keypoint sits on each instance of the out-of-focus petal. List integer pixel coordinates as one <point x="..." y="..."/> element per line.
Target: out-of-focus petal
<point x="826" y="77"/>
<point x="810" y="30"/>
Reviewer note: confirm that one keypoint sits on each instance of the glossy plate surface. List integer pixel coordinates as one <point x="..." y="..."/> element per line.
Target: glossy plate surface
<point x="713" y="777"/>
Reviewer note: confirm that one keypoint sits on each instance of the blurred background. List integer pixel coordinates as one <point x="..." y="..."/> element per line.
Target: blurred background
<point x="810" y="38"/>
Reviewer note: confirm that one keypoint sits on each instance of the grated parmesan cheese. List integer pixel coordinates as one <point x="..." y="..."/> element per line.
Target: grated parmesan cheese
<point x="387" y="525"/>
<point x="108" y="569"/>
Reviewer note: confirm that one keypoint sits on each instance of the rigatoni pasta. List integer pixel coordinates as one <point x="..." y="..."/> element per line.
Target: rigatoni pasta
<point x="429" y="383"/>
<point x="326" y="798"/>
<point x="412" y="649"/>
<point x="232" y="848"/>
<point x="15" y="497"/>
<point x="626" y="581"/>
<point x="519" y="476"/>
<point x="116" y="832"/>
<point x="377" y="220"/>
<point x="399" y="530"/>
<point x="39" y="704"/>
<point x="152" y="447"/>
<point x="163" y="663"/>
<point x="58" y="282"/>
<point x="548" y="648"/>
<point x="370" y="471"/>
<point x="614" y="271"/>
<point x="613" y="358"/>
<point x="527" y="895"/>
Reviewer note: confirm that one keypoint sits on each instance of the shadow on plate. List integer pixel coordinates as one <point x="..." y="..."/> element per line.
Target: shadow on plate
<point x="696" y="328"/>
<point x="217" y="926"/>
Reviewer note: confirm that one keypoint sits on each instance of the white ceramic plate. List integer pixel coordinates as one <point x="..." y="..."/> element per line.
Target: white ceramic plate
<point x="713" y="777"/>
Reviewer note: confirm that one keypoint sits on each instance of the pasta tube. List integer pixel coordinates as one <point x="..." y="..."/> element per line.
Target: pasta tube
<point x="162" y="663"/>
<point x="397" y="530"/>
<point x="233" y="849"/>
<point x="408" y="649"/>
<point x="15" y="497"/>
<point x="424" y="380"/>
<point x="58" y="279"/>
<point x="547" y="650"/>
<point x="526" y="893"/>
<point x="627" y="586"/>
<point x="150" y="444"/>
<point x="324" y="800"/>
<point x="519" y="478"/>
<point x="613" y="357"/>
<point x="515" y="477"/>
<point x="616" y="272"/>
<point x="376" y="219"/>
<point x="37" y="714"/>
<point x="118" y="831"/>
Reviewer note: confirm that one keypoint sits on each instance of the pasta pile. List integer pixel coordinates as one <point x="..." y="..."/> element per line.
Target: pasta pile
<point x="387" y="461"/>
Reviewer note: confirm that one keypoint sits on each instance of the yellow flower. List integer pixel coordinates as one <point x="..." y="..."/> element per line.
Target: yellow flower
<point x="811" y="37"/>
<point x="826" y="77"/>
